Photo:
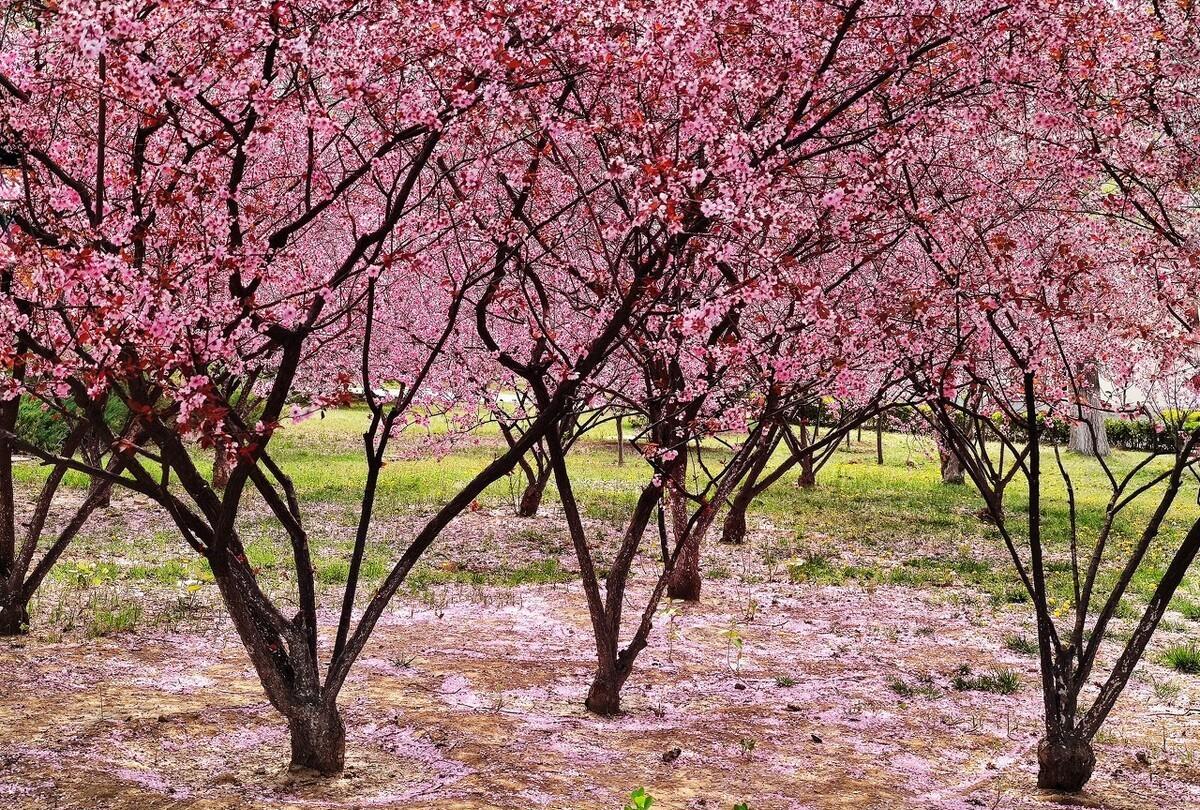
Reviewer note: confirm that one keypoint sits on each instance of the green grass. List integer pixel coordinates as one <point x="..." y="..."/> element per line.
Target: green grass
<point x="336" y="572"/>
<point x="923" y="688"/>
<point x="1188" y="608"/>
<point x="542" y="572"/>
<point x="821" y="570"/>
<point x="1183" y="658"/>
<point x="999" y="681"/>
<point x="111" y="617"/>
<point x="83" y="574"/>
<point x="1021" y="644"/>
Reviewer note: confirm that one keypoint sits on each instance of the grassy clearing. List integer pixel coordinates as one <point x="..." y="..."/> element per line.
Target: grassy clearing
<point x="864" y="524"/>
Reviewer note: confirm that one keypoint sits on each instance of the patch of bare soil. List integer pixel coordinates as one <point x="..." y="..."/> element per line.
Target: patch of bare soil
<point x="781" y="696"/>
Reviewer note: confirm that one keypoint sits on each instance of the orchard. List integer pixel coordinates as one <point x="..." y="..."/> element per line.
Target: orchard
<point x="725" y="404"/>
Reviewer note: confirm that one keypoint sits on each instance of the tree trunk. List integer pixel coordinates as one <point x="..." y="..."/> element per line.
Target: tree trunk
<point x="685" y="579"/>
<point x="620" y="441"/>
<point x="733" y="530"/>
<point x="1065" y="763"/>
<point x="14" y="615"/>
<point x="952" y="469"/>
<point x="318" y="740"/>
<point x="879" y="439"/>
<point x="1087" y="434"/>
<point x="604" y="696"/>
<point x="531" y="499"/>
<point x="94" y="454"/>
<point x="220" y="471"/>
<point x="808" y="476"/>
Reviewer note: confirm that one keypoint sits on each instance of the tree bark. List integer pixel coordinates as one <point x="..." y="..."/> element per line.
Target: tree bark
<point x="604" y="696"/>
<point x="879" y="439"/>
<point x="952" y="469"/>
<point x="531" y="498"/>
<point x="620" y="441"/>
<point x="808" y="475"/>
<point x="685" y="580"/>
<point x="318" y="740"/>
<point x="14" y="615"/>
<point x="733" y="530"/>
<point x="1065" y="762"/>
<point x="93" y="446"/>
<point x="220" y="470"/>
<point x="1087" y="434"/>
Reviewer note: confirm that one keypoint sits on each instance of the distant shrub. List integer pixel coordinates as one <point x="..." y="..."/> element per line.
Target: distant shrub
<point x="43" y="428"/>
<point x="47" y="429"/>
<point x="1148" y="436"/>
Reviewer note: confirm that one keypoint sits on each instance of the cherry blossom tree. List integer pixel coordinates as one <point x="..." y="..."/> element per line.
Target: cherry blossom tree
<point x="714" y="215"/>
<point x="783" y="177"/>
<point x="1026" y="278"/>
<point x="223" y="200"/>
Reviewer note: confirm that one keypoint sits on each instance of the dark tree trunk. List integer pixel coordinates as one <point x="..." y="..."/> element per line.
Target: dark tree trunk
<point x="94" y="454"/>
<point x="808" y="475"/>
<point x="318" y="740"/>
<point x="879" y="439"/>
<point x="14" y="615"/>
<point x="531" y="498"/>
<point x="620" y="441"/>
<point x="952" y="469"/>
<point x="685" y="579"/>
<point x="1065" y="763"/>
<point x="733" y="530"/>
<point x="604" y="696"/>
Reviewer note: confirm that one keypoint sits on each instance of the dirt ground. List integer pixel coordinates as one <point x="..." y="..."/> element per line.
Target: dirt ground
<point x="777" y="695"/>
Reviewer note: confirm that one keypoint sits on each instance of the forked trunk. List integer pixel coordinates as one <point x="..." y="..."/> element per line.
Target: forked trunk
<point x="318" y="740"/>
<point x="1065" y="763"/>
<point x="684" y="580"/>
<point x="220" y="470"/>
<point x="94" y="454"/>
